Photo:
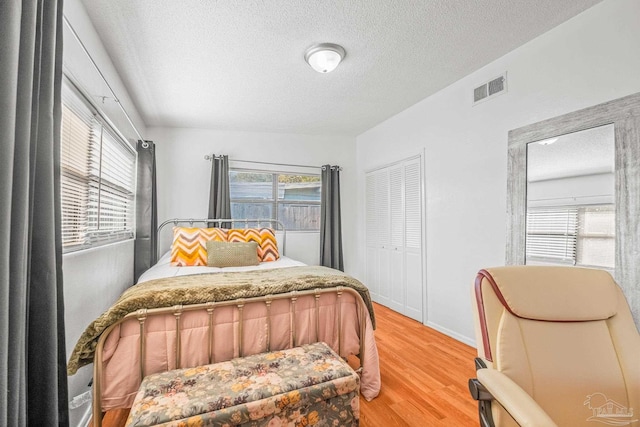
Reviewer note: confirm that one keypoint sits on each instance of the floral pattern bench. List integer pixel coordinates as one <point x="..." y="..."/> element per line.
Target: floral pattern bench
<point x="304" y="386"/>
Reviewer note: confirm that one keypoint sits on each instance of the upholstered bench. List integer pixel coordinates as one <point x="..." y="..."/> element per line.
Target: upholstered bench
<point x="308" y="385"/>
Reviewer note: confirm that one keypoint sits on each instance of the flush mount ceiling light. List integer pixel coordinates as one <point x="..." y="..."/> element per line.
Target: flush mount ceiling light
<point x="324" y="57"/>
<point x="547" y="141"/>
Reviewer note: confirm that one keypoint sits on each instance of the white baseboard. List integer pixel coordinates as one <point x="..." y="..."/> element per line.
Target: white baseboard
<point x="452" y="334"/>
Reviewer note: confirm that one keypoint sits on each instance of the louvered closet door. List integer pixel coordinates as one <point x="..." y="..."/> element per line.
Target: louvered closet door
<point x="413" y="240"/>
<point x="394" y="237"/>
<point x="396" y="252"/>
<point x="378" y="236"/>
<point x="384" y="237"/>
<point x="372" y="272"/>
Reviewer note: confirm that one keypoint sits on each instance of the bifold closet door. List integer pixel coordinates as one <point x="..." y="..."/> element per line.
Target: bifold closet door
<point x="397" y="279"/>
<point x="394" y="237"/>
<point x="413" y="259"/>
<point x="378" y="237"/>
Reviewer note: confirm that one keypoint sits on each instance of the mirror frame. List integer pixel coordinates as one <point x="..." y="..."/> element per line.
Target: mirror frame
<point x="624" y="114"/>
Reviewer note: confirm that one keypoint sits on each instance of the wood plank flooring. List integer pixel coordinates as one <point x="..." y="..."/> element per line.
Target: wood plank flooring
<point x="424" y="378"/>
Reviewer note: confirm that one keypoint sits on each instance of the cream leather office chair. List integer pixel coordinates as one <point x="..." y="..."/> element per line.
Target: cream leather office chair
<point x="557" y="346"/>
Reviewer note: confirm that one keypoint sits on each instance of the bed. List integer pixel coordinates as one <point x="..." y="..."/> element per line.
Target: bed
<point x="186" y="316"/>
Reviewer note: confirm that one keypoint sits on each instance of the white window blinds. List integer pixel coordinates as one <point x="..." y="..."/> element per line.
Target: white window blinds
<point x="551" y="233"/>
<point x="577" y="235"/>
<point x="97" y="178"/>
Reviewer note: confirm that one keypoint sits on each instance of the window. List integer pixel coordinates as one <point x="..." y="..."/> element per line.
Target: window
<point x="575" y="235"/>
<point x="596" y="244"/>
<point x="551" y="234"/>
<point x="97" y="178"/>
<point x="293" y="199"/>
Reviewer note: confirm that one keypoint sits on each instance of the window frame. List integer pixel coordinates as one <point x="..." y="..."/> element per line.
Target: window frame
<point x="274" y="201"/>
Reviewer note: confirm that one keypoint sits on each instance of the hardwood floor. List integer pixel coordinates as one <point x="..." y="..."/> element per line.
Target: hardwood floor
<point x="424" y="378"/>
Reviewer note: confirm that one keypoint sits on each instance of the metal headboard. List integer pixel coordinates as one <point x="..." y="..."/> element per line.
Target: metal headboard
<point x="248" y="223"/>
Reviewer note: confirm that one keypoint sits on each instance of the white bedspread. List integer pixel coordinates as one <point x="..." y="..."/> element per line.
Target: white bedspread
<point x="164" y="268"/>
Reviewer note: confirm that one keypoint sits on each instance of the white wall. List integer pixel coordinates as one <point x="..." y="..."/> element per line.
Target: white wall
<point x="593" y="58"/>
<point x="93" y="279"/>
<point x="78" y="66"/>
<point x="184" y="174"/>
<point x="573" y="190"/>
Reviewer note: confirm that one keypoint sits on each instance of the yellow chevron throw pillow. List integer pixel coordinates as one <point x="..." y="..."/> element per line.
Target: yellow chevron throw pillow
<point x="189" y="247"/>
<point x="264" y="237"/>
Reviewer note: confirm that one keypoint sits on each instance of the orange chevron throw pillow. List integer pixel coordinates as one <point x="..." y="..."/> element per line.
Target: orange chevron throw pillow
<point x="264" y="237"/>
<point x="189" y="247"/>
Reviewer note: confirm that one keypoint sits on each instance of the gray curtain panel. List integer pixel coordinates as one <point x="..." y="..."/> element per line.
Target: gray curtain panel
<point x="146" y="245"/>
<point x="33" y="379"/>
<point x="219" y="198"/>
<point x="330" y="219"/>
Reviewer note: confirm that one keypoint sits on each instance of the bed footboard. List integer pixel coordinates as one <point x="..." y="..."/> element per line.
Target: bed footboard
<point x="160" y="339"/>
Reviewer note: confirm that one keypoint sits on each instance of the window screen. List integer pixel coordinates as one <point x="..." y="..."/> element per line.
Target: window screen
<point x="293" y="199"/>
<point x="97" y="178"/>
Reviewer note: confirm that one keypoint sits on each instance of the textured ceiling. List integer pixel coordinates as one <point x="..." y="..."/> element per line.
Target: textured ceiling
<point x="587" y="152"/>
<point x="238" y="64"/>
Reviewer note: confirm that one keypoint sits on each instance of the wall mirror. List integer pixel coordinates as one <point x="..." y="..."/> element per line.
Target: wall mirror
<point x="570" y="206"/>
<point x="584" y="165"/>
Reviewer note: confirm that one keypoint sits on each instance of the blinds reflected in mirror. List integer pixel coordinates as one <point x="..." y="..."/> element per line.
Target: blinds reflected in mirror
<point x="552" y="234"/>
<point x="574" y="235"/>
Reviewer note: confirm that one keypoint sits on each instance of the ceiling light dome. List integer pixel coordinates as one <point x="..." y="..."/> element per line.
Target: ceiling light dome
<point x="547" y="141"/>
<point x="324" y="57"/>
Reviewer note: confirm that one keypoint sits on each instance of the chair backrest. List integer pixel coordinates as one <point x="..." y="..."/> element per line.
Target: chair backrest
<point x="566" y="336"/>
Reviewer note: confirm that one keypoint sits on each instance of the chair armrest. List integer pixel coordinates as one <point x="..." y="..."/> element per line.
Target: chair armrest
<point x="517" y="402"/>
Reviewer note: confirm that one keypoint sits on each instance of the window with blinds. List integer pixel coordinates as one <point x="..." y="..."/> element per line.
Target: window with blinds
<point x="552" y="234"/>
<point x="575" y="235"/>
<point x="97" y="178"/>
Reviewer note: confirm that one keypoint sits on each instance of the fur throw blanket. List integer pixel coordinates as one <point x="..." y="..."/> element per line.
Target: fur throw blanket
<point x="202" y="288"/>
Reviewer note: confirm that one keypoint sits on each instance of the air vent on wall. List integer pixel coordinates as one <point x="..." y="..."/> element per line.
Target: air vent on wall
<point x="490" y="89"/>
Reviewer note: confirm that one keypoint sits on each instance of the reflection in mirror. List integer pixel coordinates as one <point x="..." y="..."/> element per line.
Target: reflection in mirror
<point x="570" y="199"/>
